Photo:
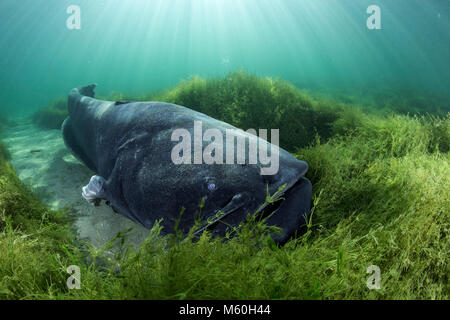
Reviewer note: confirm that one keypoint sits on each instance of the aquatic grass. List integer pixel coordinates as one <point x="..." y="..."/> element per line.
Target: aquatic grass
<point x="381" y="187"/>
<point x="439" y="129"/>
<point x="247" y="101"/>
<point x="4" y="153"/>
<point x="380" y="199"/>
<point x="391" y="100"/>
<point x="31" y="236"/>
<point x="53" y="115"/>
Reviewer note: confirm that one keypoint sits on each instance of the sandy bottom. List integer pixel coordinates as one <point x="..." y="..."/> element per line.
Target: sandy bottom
<point x="44" y="164"/>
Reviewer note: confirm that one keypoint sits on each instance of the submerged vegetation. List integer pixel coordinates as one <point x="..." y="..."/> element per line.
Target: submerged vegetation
<point x="381" y="189"/>
<point x="52" y="116"/>
<point x="247" y="101"/>
<point x="32" y="239"/>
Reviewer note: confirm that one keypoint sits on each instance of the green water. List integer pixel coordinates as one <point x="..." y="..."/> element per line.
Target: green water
<point x="137" y="46"/>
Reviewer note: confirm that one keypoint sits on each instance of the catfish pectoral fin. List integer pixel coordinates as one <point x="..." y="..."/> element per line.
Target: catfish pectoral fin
<point x="94" y="192"/>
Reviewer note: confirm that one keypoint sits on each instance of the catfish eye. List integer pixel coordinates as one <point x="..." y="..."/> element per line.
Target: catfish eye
<point x="211" y="186"/>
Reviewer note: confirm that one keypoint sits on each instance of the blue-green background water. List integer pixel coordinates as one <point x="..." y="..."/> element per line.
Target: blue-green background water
<point x="136" y="46"/>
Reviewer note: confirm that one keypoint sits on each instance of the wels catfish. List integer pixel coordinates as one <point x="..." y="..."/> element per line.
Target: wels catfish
<point x="130" y="147"/>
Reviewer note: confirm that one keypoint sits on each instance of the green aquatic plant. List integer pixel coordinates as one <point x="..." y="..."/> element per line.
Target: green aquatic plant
<point x="391" y="99"/>
<point x="381" y="189"/>
<point x="4" y="153"/>
<point x="31" y="237"/>
<point x="381" y="198"/>
<point x="247" y="101"/>
<point x="388" y="193"/>
<point x="440" y="134"/>
<point x="241" y="99"/>
<point x="53" y="115"/>
<point x="413" y="103"/>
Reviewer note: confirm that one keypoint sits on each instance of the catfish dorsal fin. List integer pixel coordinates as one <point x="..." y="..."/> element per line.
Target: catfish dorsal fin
<point x="118" y="103"/>
<point x="88" y="91"/>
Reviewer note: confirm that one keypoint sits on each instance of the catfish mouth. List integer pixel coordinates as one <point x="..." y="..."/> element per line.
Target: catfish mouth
<point x="272" y="207"/>
<point x="287" y="178"/>
<point x="270" y="211"/>
<point x="290" y="214"/>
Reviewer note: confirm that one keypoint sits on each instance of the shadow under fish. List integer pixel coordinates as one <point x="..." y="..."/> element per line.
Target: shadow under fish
<point x="130" y="146"/>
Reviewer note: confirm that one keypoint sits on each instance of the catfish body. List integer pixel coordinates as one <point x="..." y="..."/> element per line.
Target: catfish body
<point x="129" y="146"/>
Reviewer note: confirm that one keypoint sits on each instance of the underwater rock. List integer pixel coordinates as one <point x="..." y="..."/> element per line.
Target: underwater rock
<point x="130" y="147"/>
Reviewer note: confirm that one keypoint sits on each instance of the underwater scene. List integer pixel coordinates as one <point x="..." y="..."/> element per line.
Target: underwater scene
<point x="224" y="149"/>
